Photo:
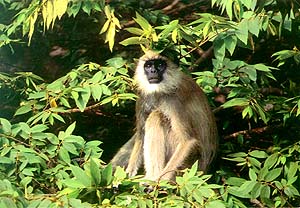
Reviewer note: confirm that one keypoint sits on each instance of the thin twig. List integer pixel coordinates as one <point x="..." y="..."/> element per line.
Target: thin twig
<point x="77" y="110"/>
<point x="257" y="203"/>
<point x="204" y="56"/>
<point x="169" y="7"/>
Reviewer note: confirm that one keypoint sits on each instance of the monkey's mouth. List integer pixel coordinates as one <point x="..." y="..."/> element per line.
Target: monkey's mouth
<point x="154" y="81"/>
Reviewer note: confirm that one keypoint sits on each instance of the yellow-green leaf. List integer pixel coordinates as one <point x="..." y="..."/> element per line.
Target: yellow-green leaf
<point x="107" y="11"/>
<point x="49" y="13"/>
<point x="32" y="21"/>
<point x="174" y="35"/>
<point x="298" y="110"/>
<point x="105" y="27"/>
<point x="61" y="7"/>
<point x="116" y="21"/>
<point x="110" y="36"/>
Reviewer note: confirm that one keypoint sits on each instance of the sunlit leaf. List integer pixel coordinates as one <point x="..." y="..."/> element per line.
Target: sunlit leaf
<point x="236" y="102"/>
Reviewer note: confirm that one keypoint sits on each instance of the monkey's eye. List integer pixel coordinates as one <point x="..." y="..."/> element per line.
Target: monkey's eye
<point x="148" y="64"/>
<point x="160" y="65"/>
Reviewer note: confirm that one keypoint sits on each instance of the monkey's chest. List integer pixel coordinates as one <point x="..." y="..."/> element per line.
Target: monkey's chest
<point x="159" y="138"/>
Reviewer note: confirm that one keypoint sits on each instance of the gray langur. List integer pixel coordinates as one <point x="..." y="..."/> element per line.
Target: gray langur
<point x="174" y="123"/>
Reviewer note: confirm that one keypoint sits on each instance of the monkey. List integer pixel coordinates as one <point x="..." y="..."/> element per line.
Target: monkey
<point x="175" y="126"/>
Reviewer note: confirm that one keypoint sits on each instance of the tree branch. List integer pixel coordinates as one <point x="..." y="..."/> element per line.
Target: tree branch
<point x="247" y="133"/>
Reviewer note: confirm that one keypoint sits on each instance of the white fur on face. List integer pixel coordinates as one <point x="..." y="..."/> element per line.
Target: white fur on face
<point x="171" y="77"/>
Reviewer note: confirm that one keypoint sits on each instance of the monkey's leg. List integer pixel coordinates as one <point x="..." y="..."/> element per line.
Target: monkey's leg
<point x="154" y="146"/>
<point x="129" y="156"/>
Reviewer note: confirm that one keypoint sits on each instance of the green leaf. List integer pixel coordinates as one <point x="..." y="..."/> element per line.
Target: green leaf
<point x="235" y="181"/>
<point x="254" y="162"/>
<point x="37" y="95"/>
<point x="105" y="90"/>
<point x="5" y="150"/>
<point x="5" y="160"/>
<point x="45" y="203"/>
<point x="265" y="192"/>
<point x="95" y="172"/>
<point x="247" y="111"/>
<point x="81" y="176"/>
<point x="39" y="128"/>
<point x="83" y="97"/>
<point x="116" y="62"/>
<point x="271" y="160"/>
<point x="64" y="155"/>
<point x="229" y="8"/>
<point x="273" y="174"/>
<point x="142" y="22"/>
<point x="135" y="31"/>
<point x="236" y="102"/>
<point x="25" y="181"/>
<point x="75" y="139"/>
<point x="254" y="25"/>
<point x="247" y="186"/>
<point x="168" y="29"/>
<point x="219" y="49"/>
<point x="120" y="173"/>
<point x="298" y="110"/>
<point x="134" y="41"/>
<point x="215" y="204"/>
<point x="107" y="176"/>
<point x="70" y="129"/>
<point x="5" y="125"/>
<point x="87" y="7"/>
<point x="291" y="191"/>
<point x="74" y="9"/>
<point x="250" y="71"/>
<point x="258" y="154"/>
<point x="72" y="184"/>
<point x="192" y="172"/>
<point x="70" y="148"/>
<point x="238" y="154"/>
<point x="230" y="43"/>
<point x="292" y="170"/>
<point x="242" y="32"/>
<point x="23" y="109"/>
<point x="262" y="67"/>
<point x="58" y="117"/>
<point x="97" y="77"/>
<point x="256" y="190"/>
<point x="261" y="113"/>
<point x="252" y="175"/>
<point x="96" y="90"/>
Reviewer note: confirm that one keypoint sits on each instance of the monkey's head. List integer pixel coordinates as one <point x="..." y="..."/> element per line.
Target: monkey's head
<point x="156" y="73"/>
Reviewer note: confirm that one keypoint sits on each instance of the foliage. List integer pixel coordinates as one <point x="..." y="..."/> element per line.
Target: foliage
<point x="89" y="81"/>
<point x="243" y="53"/>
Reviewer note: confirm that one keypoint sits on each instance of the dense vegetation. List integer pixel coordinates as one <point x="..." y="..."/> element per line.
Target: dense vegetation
<point x="67" y="99"/>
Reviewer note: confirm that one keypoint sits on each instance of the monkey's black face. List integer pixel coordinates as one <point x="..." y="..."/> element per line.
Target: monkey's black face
<point x="154" y="70"/>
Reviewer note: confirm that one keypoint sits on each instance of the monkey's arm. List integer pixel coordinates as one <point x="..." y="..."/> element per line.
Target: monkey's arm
<point x="181" y="153"/>
<point x="129" y="156"/>
<point x="136" y="157"/>
<point x="184" y="142"/>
